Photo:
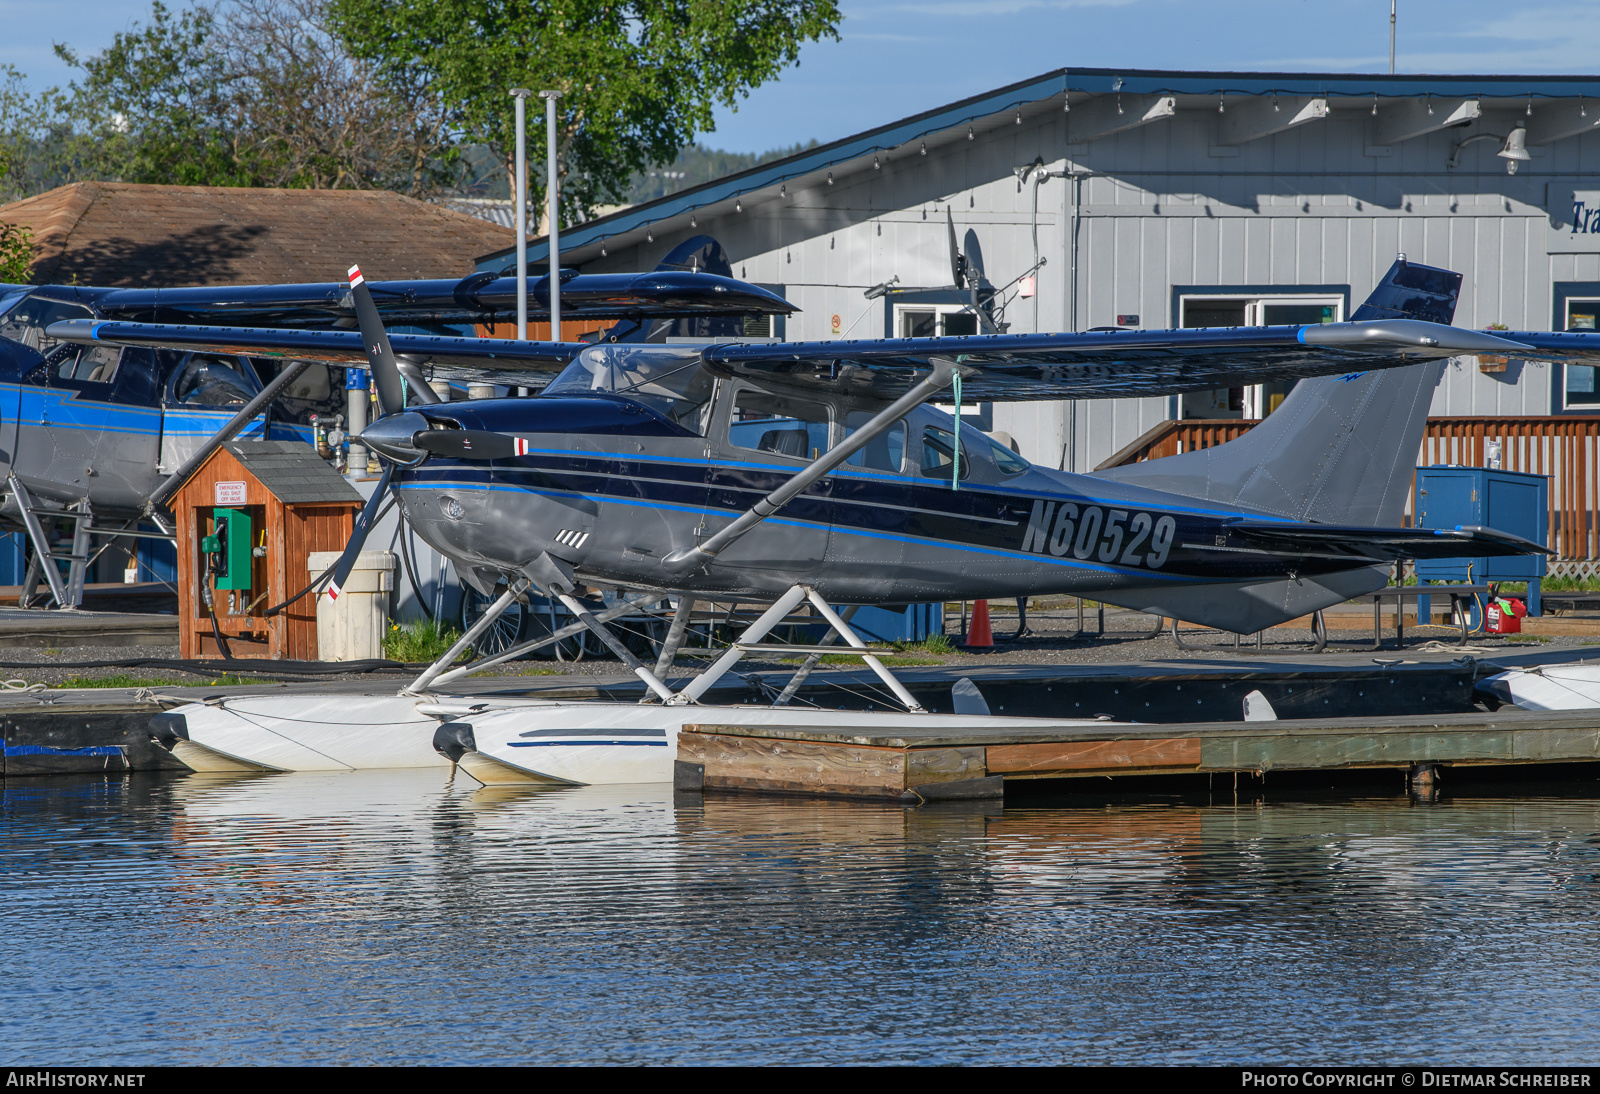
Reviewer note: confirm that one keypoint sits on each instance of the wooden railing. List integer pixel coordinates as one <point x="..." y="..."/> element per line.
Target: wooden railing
<point x="1566" y="449"/>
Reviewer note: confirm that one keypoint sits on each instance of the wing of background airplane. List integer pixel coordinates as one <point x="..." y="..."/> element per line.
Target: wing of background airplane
<point x="496" y="360"/>
<point x="479" y="298"/>
<point x="694" y="280"/>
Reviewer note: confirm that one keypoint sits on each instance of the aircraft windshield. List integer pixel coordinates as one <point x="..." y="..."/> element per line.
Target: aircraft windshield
<point x="668" y="379"/>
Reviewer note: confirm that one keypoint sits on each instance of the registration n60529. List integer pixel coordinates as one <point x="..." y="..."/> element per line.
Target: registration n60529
<point x="1122" y="537"/>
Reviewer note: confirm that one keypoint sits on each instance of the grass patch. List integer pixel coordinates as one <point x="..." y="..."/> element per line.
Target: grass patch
<point x="424" y="640"/>
<point x="120" y="680"/>
<point x="127" y="680"/>
<point x="934" y="643"/>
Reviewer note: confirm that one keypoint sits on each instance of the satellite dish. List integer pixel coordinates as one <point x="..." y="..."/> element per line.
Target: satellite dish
<point x="958" y="265"/>
<point x="974" y="257"/>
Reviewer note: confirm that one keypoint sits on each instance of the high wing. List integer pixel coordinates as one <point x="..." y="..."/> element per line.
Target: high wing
<point x="1378" y="544"/>
<point x="1106" y="364"/>
<point x="1088" y="365"/>
<point x="496" y="360"/>
<point x="483" y="297"/>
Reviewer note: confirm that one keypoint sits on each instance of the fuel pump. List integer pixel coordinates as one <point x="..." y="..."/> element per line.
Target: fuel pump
<point x="228" y="556"/>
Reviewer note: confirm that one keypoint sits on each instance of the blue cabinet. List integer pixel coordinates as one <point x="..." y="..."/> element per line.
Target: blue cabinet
<point x="1508" y="501"/>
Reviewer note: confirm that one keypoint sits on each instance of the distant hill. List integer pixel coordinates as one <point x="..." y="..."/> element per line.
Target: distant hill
<point x="697" y="164"/>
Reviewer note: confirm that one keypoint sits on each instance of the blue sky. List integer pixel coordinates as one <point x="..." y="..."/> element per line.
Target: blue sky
<point x="898" y="58"/>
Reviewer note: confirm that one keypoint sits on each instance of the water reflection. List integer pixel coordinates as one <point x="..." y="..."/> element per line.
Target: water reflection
<point x="389" y="917"/>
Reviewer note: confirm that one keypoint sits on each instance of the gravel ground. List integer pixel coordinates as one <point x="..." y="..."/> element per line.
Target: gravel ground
<point x="1053" y="639"/>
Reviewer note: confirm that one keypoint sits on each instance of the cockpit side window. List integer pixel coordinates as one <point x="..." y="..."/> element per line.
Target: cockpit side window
<point x="86" y="364"/>
<point x="779" y="424"/>
<point x="1006" y="460"/>
<point x="938" y="453"/>
<point x="27" y="321"/>
<point x="213" y="380"/>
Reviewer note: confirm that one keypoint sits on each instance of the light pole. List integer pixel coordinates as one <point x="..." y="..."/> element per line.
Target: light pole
<point x="1391" y="36"/>
<point x="552" y="198"/>
<point x="519" y="196"/>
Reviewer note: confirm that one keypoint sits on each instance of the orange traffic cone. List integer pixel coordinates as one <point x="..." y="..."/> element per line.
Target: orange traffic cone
<point x="978" y="633"/>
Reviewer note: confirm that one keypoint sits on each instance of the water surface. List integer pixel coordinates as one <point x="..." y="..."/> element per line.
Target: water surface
<point x="384" y="917"/>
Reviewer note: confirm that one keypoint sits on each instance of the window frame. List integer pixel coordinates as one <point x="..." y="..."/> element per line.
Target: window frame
<point x="1253" y="297"/>
<point x="1563" y="295"/>
<point x="730" y="419"/>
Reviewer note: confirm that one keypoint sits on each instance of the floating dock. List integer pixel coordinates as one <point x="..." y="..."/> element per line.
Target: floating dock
<point x="851" y="763"/>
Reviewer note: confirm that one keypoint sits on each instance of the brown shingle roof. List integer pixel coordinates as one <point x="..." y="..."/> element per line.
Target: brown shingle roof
<point x="126" y="234"/>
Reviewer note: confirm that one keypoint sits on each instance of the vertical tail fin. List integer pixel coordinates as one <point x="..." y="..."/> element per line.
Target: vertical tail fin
<point x="1340" y="449"/>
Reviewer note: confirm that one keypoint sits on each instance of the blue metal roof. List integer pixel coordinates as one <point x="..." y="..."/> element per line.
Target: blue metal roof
<point x="1097" y="81"/>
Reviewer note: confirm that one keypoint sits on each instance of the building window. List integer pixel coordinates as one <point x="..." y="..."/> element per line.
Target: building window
<point x="933" y="321"/>
<point x="1582" y="314"/>
<point x="1253" y="309"/>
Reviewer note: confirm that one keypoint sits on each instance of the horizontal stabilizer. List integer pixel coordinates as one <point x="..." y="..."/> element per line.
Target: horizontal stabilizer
<point x="1357" y="542"/>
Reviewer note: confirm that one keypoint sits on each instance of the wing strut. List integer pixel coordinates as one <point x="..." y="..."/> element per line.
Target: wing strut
<point x="689" y="559"/>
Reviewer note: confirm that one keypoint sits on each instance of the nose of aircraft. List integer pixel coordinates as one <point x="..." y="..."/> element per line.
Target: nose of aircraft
<point x="390" y="437"/>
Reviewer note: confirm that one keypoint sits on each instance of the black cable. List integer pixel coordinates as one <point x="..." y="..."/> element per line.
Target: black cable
<point x="215" y="667"/>
<point x="411" y="569"/>
<point x="211" y="607"/>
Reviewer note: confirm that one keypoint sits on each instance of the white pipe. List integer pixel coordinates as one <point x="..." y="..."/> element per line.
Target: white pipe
<point x="552" y="197"/>
<point x="519" y="198"/>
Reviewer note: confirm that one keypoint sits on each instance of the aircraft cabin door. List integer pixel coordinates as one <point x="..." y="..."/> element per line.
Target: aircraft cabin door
<point x="102" y="424"/>
<point x="772" y="436"/>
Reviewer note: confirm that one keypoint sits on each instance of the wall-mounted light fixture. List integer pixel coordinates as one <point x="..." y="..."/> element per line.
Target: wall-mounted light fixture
<point x="1513" y="149"/>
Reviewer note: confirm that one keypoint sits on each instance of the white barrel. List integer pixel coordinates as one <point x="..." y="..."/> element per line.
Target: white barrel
<point x="351" y="628"/>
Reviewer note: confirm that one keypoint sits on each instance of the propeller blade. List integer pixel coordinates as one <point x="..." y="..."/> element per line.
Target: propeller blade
<point x="958" y="275"/>
<point x="358" y="534"/>
<point x="465" y="444"/>
<point x="385" y="369"/>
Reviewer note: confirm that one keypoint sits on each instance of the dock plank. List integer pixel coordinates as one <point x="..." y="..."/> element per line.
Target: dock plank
<point x="1069" y="757"/>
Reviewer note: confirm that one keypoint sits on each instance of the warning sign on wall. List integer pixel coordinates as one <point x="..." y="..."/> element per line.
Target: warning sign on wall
<point x="230" y="493"/>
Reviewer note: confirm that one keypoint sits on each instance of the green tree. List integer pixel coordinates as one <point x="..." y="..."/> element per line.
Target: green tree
<point x="250" y="93"/>
<point x="639" y="78"/>
<point x="159" y="105"/>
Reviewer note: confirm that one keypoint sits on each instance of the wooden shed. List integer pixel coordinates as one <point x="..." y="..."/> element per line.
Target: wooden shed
<point x="248" y="518"/>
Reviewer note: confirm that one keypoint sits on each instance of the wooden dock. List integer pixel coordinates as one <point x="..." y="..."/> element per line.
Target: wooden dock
<point x="909" y="766"/>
